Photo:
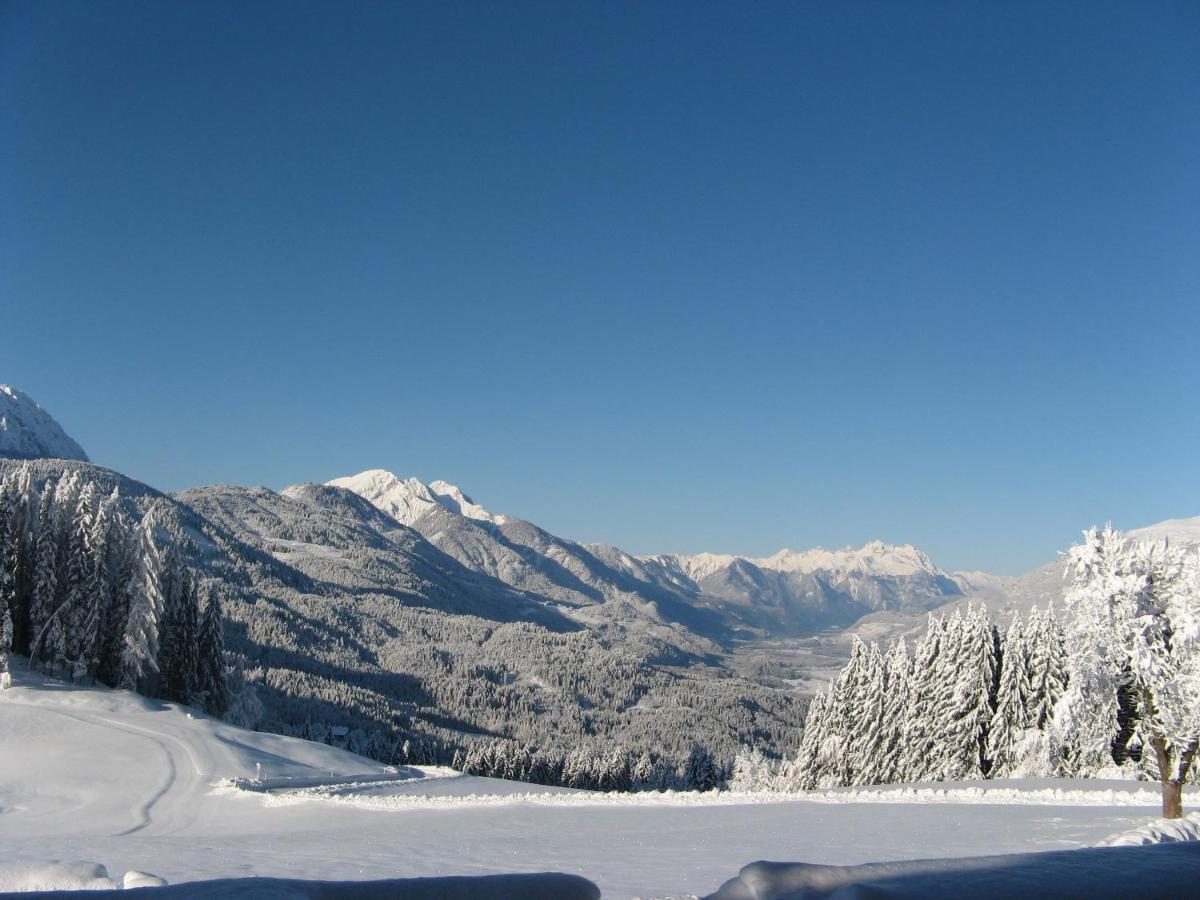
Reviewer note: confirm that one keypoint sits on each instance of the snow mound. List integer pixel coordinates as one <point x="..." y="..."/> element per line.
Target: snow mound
<point x="136" y="879"/>
<point x="1160" y="831"/>
<point x="1165" y="870"/>
<point x="29" y="432"/>
<point x="20" y="877"/>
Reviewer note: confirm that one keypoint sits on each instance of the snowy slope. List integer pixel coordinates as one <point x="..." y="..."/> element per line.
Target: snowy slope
<point x="28" y="432"/>
<point x="1177" y="531"/>
<point x="110" y="777"/>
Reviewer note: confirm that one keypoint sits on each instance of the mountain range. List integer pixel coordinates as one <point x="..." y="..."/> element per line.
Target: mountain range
<point x="393" y="606"/>
<point x="712" y="595"/>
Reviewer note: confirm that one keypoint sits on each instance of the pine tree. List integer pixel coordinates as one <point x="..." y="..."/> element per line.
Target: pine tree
<point x="1086" y="718"/>
<point x="81" y="613"/>
<point x="972" y="700"/>
<point x="701" y="773"/>
<point x="46" y="641"/>
<point x="643" y="774"/>
<point x="18" y="554"/>
<point x="178" y="651"/>
<point x="923" y="715"/>
<point x="895" y="731"/>
<point x="139" y="656"/>
<point x="1013" y="702"/>
<point x="104" y="541"/>
<point x="212" y="689"/>
<point x="1133" y="623"/>
<point x="7" y="583"/>
<point x="805" y="772"/>
<point x="1048" y="677"/>
<point x="124" y="571"/>
<point x="752" y="772"/>
<point x="868" y="738"/>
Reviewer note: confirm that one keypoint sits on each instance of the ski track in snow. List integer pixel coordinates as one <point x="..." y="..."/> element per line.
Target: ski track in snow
<point x="169" y="789"/>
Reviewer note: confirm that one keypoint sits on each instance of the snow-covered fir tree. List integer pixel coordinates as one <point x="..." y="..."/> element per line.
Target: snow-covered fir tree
<point x="753" y="772"/>
<point x="971" y="665"/>
<point x="139" y="655"/>
<point x="701" y="772"/>
<point x="1133" y="624"/>
<point x="803" y="772"/>
<point x="178" y="656"/>
<point x="46" y="646"/>
<point x="1013" y="703"/>
<point x="212" y="690"/>
<point x="895" y="729"/>
<point x="74" y="565"/>
<point x="924" y="709"/>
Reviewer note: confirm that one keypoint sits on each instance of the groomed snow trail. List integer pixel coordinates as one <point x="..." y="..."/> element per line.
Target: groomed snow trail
<point x="169" y="808"/>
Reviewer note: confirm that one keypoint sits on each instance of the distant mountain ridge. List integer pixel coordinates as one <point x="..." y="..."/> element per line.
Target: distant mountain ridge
<point x="29" y="432"/>
<point x="711" y="594"/>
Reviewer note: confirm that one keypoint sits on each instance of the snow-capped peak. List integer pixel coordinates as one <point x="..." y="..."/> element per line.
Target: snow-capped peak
<point x="408" y="499"/>
<point x="452" y="497"/>
<point x="28" y="432"/>
<point x="873" y="558"/>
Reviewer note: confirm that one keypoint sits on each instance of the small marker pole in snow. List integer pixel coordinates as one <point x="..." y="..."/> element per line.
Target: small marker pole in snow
<point x="258" y="772"/>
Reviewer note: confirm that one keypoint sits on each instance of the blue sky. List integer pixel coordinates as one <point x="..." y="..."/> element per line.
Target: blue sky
<point x="678" y="277"/>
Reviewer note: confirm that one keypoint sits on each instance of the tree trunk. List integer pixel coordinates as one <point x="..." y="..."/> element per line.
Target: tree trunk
<point x="1172" y="797"/>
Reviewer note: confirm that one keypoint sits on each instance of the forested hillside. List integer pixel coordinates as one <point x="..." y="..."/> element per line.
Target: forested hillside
<point x="343" y="625"/>
<point x="382" y="633"/>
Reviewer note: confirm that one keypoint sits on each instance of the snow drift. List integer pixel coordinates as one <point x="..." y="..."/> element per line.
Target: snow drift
<point x="1160" y="871"/>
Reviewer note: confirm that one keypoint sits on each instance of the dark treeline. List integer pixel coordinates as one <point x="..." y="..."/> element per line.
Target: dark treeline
<point x="89" y="591"/>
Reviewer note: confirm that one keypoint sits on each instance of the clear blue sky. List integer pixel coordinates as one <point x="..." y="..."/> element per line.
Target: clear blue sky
<point x="672" y="276"/>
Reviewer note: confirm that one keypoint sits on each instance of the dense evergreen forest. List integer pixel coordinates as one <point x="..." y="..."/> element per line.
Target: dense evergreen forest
<point x="90" y="591"/>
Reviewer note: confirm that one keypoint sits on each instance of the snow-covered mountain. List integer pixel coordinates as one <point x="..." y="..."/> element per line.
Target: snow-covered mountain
<point x="29" y="432"/>
<point x="875" y="576"/>
<point x="711" y="594"/>
<point x="407" y="499"/>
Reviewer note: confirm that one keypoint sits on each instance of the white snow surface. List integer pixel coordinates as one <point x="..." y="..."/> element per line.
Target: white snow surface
<point x="1160" y="831"/>
<point x="27" y="431"/>
<point x="138" y="784"/>
<point x="407" y="499"/>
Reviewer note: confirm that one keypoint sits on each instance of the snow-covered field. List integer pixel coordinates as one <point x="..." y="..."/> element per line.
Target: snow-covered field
<point x="135" y="784"/>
